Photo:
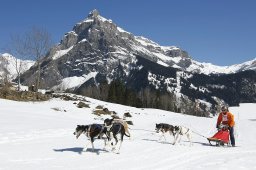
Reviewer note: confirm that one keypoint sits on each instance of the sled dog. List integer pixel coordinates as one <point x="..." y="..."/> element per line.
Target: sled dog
<point x="91" y="131"/>
<point x="118" y="120"/>
<point x="180" y="131"/>
<point x="113" y="129"/>
<point x="164" y="128"/>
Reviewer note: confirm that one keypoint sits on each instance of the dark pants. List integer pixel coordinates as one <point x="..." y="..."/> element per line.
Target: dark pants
<point x="232" y="138"/>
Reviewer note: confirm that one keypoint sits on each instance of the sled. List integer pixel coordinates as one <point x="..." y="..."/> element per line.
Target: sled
<point x="220" y="138"/>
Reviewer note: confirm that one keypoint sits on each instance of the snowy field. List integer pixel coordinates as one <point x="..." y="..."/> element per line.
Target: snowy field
<point x="34" y="136"/>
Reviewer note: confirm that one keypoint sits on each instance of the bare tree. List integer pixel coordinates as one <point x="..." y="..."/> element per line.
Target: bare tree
<point x="34" y="45"/>
<point x="18" y="50"/>
<point x="38" y="43"/>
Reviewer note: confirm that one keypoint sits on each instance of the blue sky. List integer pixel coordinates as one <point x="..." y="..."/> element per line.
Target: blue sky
<point x="222" y="32"/>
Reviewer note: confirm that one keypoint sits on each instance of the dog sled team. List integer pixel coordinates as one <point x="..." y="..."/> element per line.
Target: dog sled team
<point x="112" y="128"/>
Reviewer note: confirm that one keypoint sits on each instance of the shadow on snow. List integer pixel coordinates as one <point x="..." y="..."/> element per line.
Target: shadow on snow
<point x="80" y="150"/>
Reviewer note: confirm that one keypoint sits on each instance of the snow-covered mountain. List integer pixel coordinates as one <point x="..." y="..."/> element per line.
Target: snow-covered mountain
<point x="97" y="52"/>
<point x="208" y="68"/>
<point x="125" y="45"/>
<point x="8" y="65"/>
<point x="97" y="43"/>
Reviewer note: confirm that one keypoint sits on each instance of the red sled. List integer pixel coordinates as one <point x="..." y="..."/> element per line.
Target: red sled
<point x="220" y="138"/>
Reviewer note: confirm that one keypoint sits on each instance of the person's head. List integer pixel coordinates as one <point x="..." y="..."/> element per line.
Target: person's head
<point x="224" y="109"/>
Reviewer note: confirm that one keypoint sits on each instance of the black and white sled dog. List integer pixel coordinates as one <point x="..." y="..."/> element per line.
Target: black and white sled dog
<point x="91" y="131"/>
<point x="180" y="131"/>
<point x="123" y="122"/>
<point x="165" y="128"/>
<point x="113" y="129"/>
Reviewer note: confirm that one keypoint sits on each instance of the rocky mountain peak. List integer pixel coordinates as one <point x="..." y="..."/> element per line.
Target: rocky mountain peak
<point x="94" y="13"/>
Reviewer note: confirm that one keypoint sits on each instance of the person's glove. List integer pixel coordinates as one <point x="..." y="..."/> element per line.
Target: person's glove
<point x="229" y="127"/>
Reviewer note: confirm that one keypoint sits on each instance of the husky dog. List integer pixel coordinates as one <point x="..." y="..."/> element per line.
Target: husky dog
<point x="113" y="129"/>
<point x="124" y="123"/>
<point x="164" y="128"/>
<point x="180" y="131"/>
<point x="91" y="131"/>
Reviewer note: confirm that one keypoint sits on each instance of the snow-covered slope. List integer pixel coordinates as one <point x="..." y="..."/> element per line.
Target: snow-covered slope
<point x="36" y="136"/>
<point x="209" y="68"/>
<point x="8" y="63"/>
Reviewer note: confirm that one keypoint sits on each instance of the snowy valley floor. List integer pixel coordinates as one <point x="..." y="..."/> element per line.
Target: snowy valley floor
<point x="36" y="136"/>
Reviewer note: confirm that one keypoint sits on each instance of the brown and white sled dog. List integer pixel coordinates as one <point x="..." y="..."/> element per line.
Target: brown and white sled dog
<point x="114" y="129"/>
<point x="124" y="123"/>
<point x="118" y="120"/>
<point x="165" y="128"/>
<point x="180" y="131"/>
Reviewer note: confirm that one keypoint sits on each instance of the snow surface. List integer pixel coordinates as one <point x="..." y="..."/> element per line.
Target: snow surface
<point x="72" y="82"/>
<point x="34" y="135"/>
<point x="208" y="68"/>
<point x="122" y="30"/>
<point x="146" y="42"/>
<point x="60" y="53"/>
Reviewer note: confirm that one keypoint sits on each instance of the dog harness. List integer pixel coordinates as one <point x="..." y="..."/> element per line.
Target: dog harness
<point x="89" y="130"/>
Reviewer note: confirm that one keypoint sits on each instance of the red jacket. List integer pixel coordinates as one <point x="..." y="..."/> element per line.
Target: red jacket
<point x="229" y="120"/>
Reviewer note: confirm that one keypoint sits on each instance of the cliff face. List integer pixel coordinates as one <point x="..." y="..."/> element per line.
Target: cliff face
<point x="98" y="45"/>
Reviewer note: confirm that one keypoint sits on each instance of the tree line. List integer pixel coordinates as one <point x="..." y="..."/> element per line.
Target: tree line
<point x="118" y="92"/>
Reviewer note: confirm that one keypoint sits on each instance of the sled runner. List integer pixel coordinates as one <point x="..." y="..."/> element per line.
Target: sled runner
<point x="220" y="138"/>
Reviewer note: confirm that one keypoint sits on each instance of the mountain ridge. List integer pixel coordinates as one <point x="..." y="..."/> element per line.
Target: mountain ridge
<point x="97" y="52"/>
